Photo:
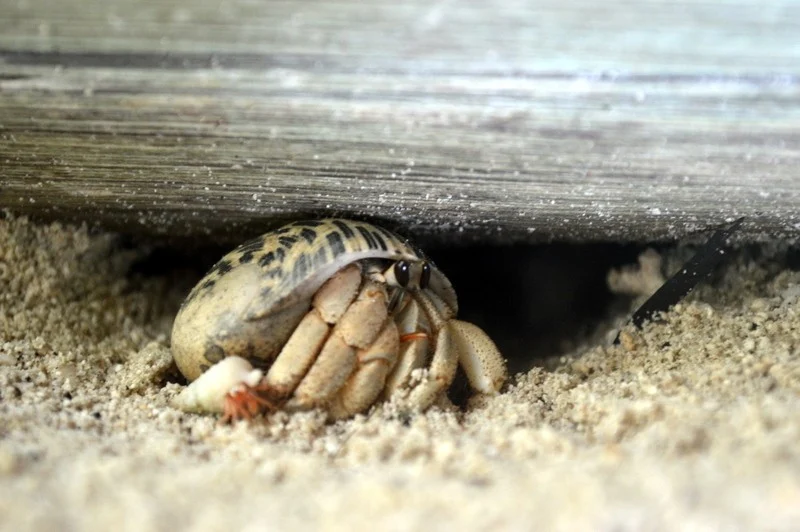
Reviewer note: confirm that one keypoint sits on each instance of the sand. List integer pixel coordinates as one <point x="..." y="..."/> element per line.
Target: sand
<point x="692" y="424"/>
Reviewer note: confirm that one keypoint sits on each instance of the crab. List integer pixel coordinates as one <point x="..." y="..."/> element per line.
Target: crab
<point x="332" y="314"/>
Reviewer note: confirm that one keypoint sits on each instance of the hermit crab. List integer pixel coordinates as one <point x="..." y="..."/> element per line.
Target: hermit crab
<point x="332" y="314"/>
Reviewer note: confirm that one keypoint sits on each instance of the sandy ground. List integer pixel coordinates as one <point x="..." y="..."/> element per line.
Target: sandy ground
<point x="692" y="425"/>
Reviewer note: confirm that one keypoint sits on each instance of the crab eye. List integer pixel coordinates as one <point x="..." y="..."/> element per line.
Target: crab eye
<point x="401" y="272"/>
<point x="425" y="276"/>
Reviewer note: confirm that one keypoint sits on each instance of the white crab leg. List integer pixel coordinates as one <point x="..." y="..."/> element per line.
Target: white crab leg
<point x="298" y="354"/>
<point x="357" y="329"/>
<point x="366" y="383"/>
<point x="441" y="371"/>
<point x="327" y="375"/>
<point x="444" y="362"/>
<point x="457" y="342"/>
<point x="300" y="351"/>
<point x="414" y="332"/>
<point x="479" y="356"/>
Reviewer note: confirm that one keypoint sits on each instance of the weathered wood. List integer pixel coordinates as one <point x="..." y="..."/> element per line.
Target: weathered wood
<point x="504" y="120"/>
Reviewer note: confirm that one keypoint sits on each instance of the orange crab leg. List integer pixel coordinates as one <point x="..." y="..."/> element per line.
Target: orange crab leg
<point x="413" y="336"/>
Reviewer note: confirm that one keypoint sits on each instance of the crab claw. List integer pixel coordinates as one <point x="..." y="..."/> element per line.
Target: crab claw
<point x="247" y="402"/>
<point x="483" y="364"/>
<point x="210" y="391"/>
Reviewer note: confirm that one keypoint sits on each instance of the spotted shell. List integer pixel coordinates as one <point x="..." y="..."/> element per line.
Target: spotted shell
<point x="251" y="300"/>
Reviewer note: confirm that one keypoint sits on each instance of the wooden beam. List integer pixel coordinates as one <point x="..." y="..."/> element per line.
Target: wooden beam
<point x="492" y="121"/>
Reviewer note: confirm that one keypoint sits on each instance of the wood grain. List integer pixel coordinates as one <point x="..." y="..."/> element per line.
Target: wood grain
<point x="495" y="121"/>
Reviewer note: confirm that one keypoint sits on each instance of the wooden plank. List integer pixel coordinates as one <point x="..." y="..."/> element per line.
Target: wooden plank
<point x="495" y="120"/>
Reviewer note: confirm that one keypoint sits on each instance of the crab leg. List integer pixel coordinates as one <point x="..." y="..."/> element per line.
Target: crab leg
<point x="479" y="356"/>
<point x="457" y="342"/>
<point x="366" y="383"/>
<point x="414" y="335"/>
<point x="298" y="354"/>
<point x="357" y="329"/>
<point x="421" y="311"/>
<point x="328" y="306"/>
<point x="441" y="371"/>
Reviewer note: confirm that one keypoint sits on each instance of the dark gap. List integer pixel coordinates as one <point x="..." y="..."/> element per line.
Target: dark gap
<point x="793" y="258"/>
<point x="174" y="376"/>
<point x="533" y="301"/>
